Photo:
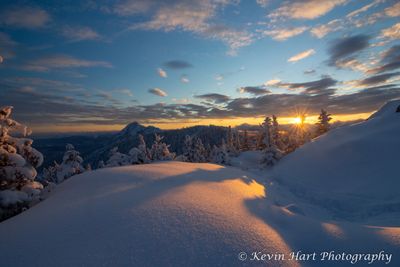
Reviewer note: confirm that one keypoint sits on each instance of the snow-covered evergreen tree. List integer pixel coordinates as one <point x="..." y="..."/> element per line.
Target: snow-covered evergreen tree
<point x="188" y="150"/>
<point x="230" y="145"/>
<point x="220" y="154"/>
<point x="71" y="164"/>
<point x="271" y="153"/>
<point x="323" y="124"/>
<point x="199" y="151"/>
<point x="117" y="158"/>
<point x="140" y="154"/>
<point x="245" y="143"/>
<point x="194" y="150"/>
<point x="277" y="138"/>
<point x="160" y="151"/>
<point x="18" y="163"/>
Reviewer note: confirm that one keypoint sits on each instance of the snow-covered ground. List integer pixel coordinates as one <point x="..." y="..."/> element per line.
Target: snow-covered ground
<point x="198" y="214"/>
<point x="175" y="214"/>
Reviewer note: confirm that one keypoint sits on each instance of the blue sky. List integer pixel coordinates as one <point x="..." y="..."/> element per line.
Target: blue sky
<point x="97" y="65"/>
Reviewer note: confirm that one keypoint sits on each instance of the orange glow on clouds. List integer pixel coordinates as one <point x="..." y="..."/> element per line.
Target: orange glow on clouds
<point x="176" y="124"/>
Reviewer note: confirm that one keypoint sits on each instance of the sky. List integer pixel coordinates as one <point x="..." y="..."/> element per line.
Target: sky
<point x="99" y="65"/>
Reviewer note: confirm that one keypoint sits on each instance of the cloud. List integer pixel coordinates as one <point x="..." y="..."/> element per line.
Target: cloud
<point x="390" y="60"/>
<point x="301" y="55"/>
<point x="177" y="64"/>
<point x="309" y="71"/>
<point x="25" y="17"/>
<point x="162" y="73"/>
<point x="355" y="19"/>
<point x="235" y="39"/>
<point x="254" y="90"/>
<point x="62" y="61"/>
<point x="39" y="108"/>
<point x="272" y="82"/>
<point x="284" y="33"/>
<point x="263" y="3"/>
<point x="305" y="9"/>
<point x="184" y="79"/>
<point x="192" y="16"/>
<point x="344" y="48"/>
<point x="219" y="77"/>
<point x="391" y="33"/>
<point x="132" y="7"/>
<point x="81" y="33"/>
<point x="157" y="91"/>
<point x="377" y="79"/>
<point x="107" y="96"/>
<point x="322" y="30"/>
<point x="124" y="92"/>
<point x="393" y="11"/>
<point x="215" y="98"/>
<point x="352" y="64"/>
<point x="313" y="87"/>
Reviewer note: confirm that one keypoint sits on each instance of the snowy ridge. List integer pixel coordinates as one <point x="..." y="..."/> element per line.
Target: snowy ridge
<point x="352" y="170"/>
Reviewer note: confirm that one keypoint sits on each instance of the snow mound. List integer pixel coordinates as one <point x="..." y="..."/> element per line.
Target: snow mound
<point x="174" y="214"/>
<point x="353" y="170"/>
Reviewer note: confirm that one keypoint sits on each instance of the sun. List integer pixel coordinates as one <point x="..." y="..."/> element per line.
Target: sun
<point x="297" y="120"/>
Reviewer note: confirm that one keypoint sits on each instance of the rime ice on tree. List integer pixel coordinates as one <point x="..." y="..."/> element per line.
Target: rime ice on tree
<point x="71" y="164"/>
<point x="140" y="155"/>
<point x="271" y="153"/>
<point x="18" y="163"/>
<point x="117" y="158"/>
<point x="160" y="151"/>
<point x="220" y="155"/>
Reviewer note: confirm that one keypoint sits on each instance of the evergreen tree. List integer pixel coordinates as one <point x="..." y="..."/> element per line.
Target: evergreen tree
<point x="140" y="155"/>
<point x="18" y="163"/>
<point x="199" y="151"/>
<point x="271" y="153"/>
<point x="71" y="164"/>
<point x="245" y="143"/>
<point x="230" y="145"/>
<point x="323" y="124"/>
<point x="220" y="154"/>
<point x="117" y="158"/>
<point x="159" y="150"/>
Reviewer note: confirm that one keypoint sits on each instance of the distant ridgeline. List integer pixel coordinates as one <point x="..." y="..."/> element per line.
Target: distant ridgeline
<point x="94" y="148"/>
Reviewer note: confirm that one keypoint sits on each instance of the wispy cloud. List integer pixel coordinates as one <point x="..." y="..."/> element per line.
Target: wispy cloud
<point x="157" y="91"/>
<point x="184" y="79"/>
<point x="24" y="17"/>
<point x="284" y="33"/>
<point x="162" y="73"/>
<point x="191" y="16"/>
<point x="305" y="9"/>
<point x="80" y="33"/>
<point x="62" y="61"/>
<point x="301" y="55"/>
<point x="391" y="33"/>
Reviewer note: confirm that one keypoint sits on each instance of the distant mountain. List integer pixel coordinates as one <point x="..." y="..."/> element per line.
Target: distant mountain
<point x="94" y="148"/>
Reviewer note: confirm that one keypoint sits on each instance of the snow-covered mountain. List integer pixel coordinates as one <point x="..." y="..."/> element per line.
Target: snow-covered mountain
<point x="353" y="169"/>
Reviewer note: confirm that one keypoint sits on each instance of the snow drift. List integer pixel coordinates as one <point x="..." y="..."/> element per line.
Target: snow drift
<point x="353" y="170"/>
<point x="175" y="214"/>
